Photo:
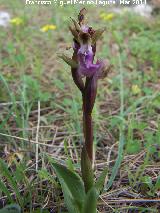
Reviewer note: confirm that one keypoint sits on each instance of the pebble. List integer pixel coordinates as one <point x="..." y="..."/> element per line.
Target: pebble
<point x="4" y="19"/>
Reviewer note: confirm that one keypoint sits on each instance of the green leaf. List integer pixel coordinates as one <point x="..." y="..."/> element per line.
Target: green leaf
<point x="87" y="171"/>
<point x="4" y="189"/>
<point x="4" y="170"/>
<point x="45" y="175"/>
<point x="72" y="187"/>
<point x="73" y="205"/>
<point x="101" y="181"/>
<point x="148" y="181"/>
<point x="157" y="185"/>
<point x="12" y="208"/>
<point x="3" y="123"/>
<point x="20" y="58"/>
<point x="68" y="161"/>
<point x="133" y="147"/>
<point x="90" y="204"/>
<point x="19" y="174"/>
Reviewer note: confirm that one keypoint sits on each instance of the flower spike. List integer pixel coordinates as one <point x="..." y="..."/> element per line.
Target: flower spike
<point x="85" y="73"/>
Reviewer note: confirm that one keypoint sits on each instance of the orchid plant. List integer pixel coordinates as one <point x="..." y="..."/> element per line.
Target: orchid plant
<point x="81" y="194"/>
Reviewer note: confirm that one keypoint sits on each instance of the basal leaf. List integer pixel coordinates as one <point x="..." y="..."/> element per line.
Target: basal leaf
<point x="72" y="187"/>
<point x="72" y="204"/>
<point x="90" y="204"/>
<point x="12" y="208"/>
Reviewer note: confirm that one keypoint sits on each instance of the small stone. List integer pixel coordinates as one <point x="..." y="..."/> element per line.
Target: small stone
<point x="4" y="18"/>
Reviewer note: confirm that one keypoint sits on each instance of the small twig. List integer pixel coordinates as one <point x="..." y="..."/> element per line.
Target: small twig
<point x="109" y="153"/>
<point x="34" y="142"/>
<point x="106" y="203"/>
<point x="10" y="103"/>
<point x="134" y="201"/>
<point x="55" y="135"/>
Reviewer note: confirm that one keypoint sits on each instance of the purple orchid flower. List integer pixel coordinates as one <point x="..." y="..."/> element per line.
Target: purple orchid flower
<point x="83" y="66"/>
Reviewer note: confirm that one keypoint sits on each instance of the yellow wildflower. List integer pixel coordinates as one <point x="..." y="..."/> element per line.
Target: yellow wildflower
<point x="135" y="89"/>
<point x="16" y="21"/>
<point x="102" y="15"/>
<point x="107" y="17"/>
<point x="48" y="27"/>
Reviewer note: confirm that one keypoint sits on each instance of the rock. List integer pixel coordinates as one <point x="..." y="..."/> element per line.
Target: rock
<point x="143" y="9"/>
<point x="4" y="19"/>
